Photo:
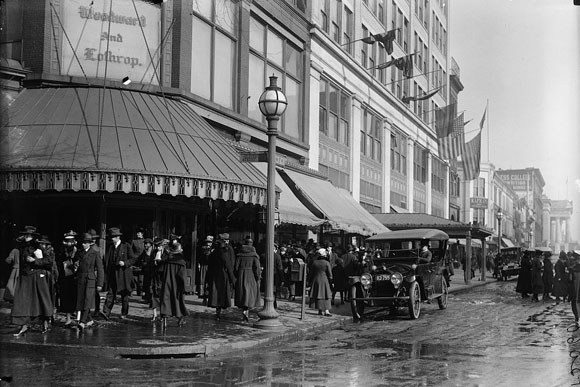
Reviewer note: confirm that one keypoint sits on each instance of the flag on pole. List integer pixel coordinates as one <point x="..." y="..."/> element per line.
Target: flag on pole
<point x="452" y="146"/>
<point x="421" y="97"/>
<point x="482" y="119"/>
<point x="444" y="120"/>
<point x="387" y="38"/>
<point x="470" y="157"/>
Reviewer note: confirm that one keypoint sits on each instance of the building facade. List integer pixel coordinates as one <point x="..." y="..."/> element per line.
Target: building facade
<point x="528" y="184"/>
<point x="362" y="133"/>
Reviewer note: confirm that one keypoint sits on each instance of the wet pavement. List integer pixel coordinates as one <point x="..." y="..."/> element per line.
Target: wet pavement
<point x="137" y="336"/>
<point x="488" y="336"/>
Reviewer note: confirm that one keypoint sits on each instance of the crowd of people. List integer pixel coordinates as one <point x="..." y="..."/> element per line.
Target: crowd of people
<point x="558" y="282"/>
<point x="68" y="278"/>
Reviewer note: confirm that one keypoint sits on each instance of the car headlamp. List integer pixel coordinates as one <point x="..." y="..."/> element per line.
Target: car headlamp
<point x="366" y="279"/>
<point x="396" y="279"/>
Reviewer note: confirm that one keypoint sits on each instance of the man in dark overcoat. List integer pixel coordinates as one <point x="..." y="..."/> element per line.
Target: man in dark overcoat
<point x="118" y="261"/>
<point x="90" y="277"/>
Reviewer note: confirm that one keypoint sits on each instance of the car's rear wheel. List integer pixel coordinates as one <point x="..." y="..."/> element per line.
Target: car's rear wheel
<point x="414" y="300"/>
<point x="442" y="299"/>
<point x="357" y="307"/>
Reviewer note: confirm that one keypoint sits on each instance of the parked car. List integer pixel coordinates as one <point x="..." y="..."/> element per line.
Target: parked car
<point x="396" y="277"/>
<point x="508" y="264"/>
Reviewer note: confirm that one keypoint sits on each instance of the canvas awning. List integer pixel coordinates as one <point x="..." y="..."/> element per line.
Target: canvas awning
<point x="335" y="205"/>
<point x="291" y="210"/>
<point x="420" y="220"/>
<point x="97" y="139"/>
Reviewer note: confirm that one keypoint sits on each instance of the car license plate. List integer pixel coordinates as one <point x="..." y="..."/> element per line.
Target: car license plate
<point x="383" y="277"/>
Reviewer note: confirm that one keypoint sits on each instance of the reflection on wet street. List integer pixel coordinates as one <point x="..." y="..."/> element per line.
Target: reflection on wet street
<point x="486" y="337"/>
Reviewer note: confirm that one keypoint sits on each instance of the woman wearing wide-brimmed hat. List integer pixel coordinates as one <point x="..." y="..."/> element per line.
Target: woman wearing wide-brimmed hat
<point x="172" y="302"/>
<point x="32" y="294"/>
<point x="561" y="277"/>
<point x="321" y="276"/>
<point x="159" y="245"/>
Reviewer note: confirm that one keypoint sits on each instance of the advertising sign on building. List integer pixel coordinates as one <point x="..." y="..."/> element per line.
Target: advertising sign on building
<point x="111" y="40"/>
<point x="478" y="202"/>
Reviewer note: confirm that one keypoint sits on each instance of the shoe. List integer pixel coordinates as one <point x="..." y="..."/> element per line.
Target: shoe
<point x="181" y="321"/>
<point x="155" y="319"/>
<point x="328" y="314"/>
<point x="320" y="313"/>
<point x="89" y="324"/>
<point x="245" y="316"/>
<point x="104" y="315"/>
<point x="82" y="326"/>
<point x="44" y="327"/>
<point x="22" y="331"/>
<point x="123" y="317"/>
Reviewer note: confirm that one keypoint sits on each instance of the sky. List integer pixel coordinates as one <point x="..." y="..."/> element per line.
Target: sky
<point x="523" y="58"/>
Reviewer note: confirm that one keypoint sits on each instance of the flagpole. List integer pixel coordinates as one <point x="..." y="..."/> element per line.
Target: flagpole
<point x="488" y="133"/>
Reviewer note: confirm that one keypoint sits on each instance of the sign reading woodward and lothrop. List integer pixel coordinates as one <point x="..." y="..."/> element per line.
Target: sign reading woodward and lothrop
<point x="111" y="41"/>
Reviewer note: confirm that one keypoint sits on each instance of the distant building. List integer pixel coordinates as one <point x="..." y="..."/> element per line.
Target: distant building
<point x="528" y="184"/>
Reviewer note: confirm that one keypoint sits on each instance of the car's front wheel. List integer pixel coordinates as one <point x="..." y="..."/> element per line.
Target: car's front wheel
<point x="414" y="300"/>
<point x="442" y="299"/>
<point x="357" y="306"/>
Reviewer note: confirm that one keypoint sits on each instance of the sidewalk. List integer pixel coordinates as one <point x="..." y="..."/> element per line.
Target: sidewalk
<point x="138" y="337"/>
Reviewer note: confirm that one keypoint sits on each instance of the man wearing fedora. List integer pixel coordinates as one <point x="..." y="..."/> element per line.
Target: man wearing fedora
<point x="118" y="272"/>
<point x="90" y="277"/>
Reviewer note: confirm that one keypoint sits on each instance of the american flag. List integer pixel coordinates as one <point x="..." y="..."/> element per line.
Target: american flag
<point x="471" y="157"/>
<point x="451" y="146"/>
<point x="444" y="120"/>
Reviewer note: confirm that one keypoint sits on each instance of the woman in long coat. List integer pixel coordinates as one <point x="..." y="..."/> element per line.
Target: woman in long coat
<point x="548" y="276"/>
<point x="66" y="286"/>
<point x="321" y="274"/>
<point x="220" y="277"/>
<point x="156" y="269"/>
<point x="173" y="283"/>
<point x="90" y="277"/>
<point x="524" y="285"/>
<point x="561" y="277"/>
<point x="32" y="294"/>
<point x="248" y="276"/>
<point x="537" y="282"/>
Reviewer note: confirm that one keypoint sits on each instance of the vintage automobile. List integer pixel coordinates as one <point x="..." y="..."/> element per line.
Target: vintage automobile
<point x="508" y="264"/>
<point x="396" y="277"/>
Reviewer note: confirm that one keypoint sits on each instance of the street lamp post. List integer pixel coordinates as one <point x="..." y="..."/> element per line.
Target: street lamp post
<point x="499" y="217"/>
<point x="272" y="104"/>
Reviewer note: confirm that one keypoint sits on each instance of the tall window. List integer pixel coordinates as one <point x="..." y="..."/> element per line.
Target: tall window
<point x="331" y="18"/>
<point x="348" y="26"/>
<point x="437" y="176"/>
<point x="420" y="165"/>
<point x="479" y="216"/>
<point x="334" y="112"/>
<point x="479" y="187"/>
<point x="399" y="153"/>
<point x="371" y="135"/>
<point x="214" y="36"/>
<point x="364" y="48"/>
<point x="271" y="53"/>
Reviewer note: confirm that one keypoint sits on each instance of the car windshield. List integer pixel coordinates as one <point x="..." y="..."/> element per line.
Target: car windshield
<point x="406" y="249"/>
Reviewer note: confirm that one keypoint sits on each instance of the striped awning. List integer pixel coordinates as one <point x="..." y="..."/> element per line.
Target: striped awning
<point x="91" y="138"/>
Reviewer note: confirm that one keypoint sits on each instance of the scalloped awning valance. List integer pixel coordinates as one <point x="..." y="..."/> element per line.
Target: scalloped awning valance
<point x="84" y="138"/>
